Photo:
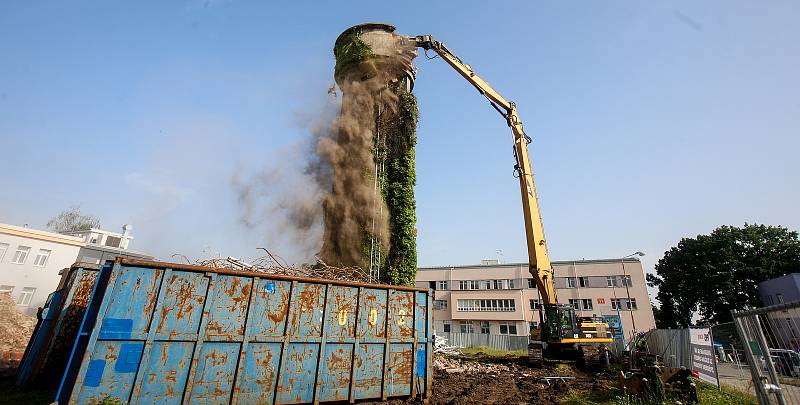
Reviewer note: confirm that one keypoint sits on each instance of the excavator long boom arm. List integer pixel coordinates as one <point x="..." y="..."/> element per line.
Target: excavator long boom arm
<point x="538" y="261"/>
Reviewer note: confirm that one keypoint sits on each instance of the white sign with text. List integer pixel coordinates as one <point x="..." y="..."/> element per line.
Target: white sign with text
<point x="704" y="362"/>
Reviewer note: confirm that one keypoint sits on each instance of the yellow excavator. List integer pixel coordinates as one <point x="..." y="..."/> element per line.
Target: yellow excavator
<point x="561" y="333"/>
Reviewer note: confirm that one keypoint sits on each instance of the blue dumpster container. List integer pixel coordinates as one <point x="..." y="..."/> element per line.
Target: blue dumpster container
<point x="171" y="333"/>
<point x="51" y="342"/>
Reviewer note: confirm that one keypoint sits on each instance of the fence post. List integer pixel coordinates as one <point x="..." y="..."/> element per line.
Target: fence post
<point x="758" y="384"/>
<point x="773" y="375"/>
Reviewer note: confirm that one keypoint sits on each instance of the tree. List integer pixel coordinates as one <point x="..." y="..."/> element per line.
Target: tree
<point x="71" y="220"/>
<point x="719" y="272"/>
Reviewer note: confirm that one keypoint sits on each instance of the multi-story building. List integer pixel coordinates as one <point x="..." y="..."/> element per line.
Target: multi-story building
<point x="494" y="298"/>
<point x="30" y="261"/>
<point x="780" y="290"/>
<point x="101" y="245"/>
<point x="785" y="324"/>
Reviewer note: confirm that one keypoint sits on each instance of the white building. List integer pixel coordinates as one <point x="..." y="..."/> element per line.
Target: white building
<point x="100" y="245"/>
<point x="30" y="261"/>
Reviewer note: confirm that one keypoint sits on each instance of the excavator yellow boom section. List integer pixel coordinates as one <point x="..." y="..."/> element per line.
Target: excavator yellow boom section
<point x="538" y="261"/>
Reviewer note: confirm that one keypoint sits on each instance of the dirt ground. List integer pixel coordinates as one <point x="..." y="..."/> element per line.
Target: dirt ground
<point x="483" y="379"/>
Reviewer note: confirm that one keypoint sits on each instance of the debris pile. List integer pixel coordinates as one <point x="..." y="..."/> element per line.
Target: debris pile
<point x="484" y="379"/>
<point x="440" y="346"/>
<point x="15" y="331"/>
<point x="273" y="264"/>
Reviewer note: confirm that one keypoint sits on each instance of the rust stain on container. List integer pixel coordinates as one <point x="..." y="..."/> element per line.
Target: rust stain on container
<point x="249" y="343"/>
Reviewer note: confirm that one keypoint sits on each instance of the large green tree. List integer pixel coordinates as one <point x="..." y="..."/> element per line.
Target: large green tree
<point x="716" y="273"/>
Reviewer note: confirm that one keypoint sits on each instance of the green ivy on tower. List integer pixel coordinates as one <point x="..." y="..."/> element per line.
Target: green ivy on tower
<point x="399" y="179"/>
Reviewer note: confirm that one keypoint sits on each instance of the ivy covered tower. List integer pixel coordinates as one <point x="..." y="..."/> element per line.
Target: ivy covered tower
<point x="366" y="52"/>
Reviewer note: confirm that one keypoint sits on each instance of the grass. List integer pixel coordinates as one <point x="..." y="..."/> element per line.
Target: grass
<point x="10" y="394"/>
<point x="708" y="394"/>
<point x="488" y="351"/>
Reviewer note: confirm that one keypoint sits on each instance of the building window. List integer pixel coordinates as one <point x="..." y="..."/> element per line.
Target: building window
<point x="440" y="304"/>
<point x="583" y="282"/>
<point x="626" y="281"/>
<point x="532" y="326"/>
<point x="508" y="328"/>
<point x="536" y="304"/>
<point x="446" y="326"/>
<point x="779" y="297"/>
<point x="41" y="258"/>
<point x="583" y="304"/>
<point x="531" y="283"/>
<point x="769" y="300"/>
<point x="571" y="282"/>
<point x="486" y="305"/>
<point x="113" y="241"/>
<point x="441" y="285"/>
<point x="511" y="285"/>
<point x="26" y="296"/>
<point x="466" y="327"/>
<point x="624" y="303"/>
<point x="468" y="285"/>
<point x="3" y="250"/>
<point x="485" y="327"/>
<point x="21" y="254"/>
<point x="610" y="281"/>
<point x="6" y="289"/>
<point x="575" y="303"/>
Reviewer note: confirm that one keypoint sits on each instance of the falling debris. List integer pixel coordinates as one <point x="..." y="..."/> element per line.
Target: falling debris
<point x="370" y="209"/>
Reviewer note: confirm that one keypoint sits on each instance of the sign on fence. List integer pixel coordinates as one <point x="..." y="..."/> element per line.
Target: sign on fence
<point x="704" y="362"/>
<point x="615" y="324"/>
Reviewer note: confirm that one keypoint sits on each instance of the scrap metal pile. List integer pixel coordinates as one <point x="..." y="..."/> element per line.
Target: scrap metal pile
<point x="270" y="263"/>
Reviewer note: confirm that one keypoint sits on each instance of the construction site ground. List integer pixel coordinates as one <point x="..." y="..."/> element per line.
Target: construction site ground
<point x="480" y="378"/>
<point x="506" y="379"/>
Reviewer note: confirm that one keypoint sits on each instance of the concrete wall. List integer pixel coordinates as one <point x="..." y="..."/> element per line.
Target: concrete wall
<point x="596" y="290"/>
<point x="63" y="253"/>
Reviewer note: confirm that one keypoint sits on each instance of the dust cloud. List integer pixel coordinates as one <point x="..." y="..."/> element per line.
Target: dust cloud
<point x="331" y="208"/>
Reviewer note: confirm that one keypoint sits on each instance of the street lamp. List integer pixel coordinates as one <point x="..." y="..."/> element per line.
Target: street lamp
<point x="627" y="289"/>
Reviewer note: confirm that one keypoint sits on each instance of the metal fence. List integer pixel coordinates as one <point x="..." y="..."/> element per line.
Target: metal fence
<point x="672" y="345"/>
<point x="770" y="338"/>
<point x="497" y="342"/>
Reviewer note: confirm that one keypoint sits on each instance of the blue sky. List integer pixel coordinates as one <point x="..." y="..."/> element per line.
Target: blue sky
<point x="651" y="121"/>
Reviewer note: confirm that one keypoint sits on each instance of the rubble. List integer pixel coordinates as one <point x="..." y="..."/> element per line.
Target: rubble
<point x="483" y="379"/>
<point x="15" y="331"/>
<point x="271" y="263"/>
<point x="440" y="346"/>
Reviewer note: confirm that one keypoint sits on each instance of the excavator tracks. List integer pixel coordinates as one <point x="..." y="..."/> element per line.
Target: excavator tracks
<point x="591" y="357"/>
<point x="535" y="354"/>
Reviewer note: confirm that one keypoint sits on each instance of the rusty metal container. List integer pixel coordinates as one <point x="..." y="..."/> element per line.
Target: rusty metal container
<point x="170" y="333"/>
<point x="52" y="340"/>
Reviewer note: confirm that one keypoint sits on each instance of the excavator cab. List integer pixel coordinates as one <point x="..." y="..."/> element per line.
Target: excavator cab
<point x="558" y="322"/>
<point x="562" y="332"/>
